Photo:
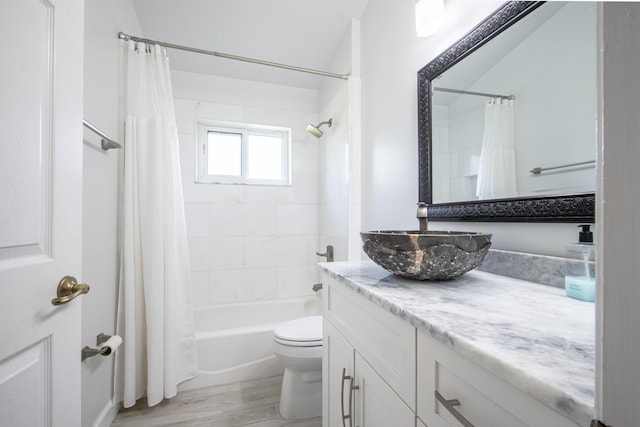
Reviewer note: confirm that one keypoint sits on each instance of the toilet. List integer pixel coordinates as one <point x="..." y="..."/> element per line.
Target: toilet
<point x="298" y="344"/>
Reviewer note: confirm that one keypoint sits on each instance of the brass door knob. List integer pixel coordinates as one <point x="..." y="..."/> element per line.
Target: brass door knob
<point x="68" y="289"/>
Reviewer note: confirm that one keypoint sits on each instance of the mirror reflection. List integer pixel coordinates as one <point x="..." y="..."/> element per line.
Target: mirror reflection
<point x="517" y="117"/>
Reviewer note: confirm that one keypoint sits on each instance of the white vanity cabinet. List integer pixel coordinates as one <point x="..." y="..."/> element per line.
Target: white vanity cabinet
<point x="473" y="396"/>
<point x="368" y="370"/>
<point x="383" y="367"/>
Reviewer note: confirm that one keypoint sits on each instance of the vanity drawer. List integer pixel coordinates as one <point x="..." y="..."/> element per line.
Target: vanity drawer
<point x="481" y="398"/>
<point x="387" y="342"/>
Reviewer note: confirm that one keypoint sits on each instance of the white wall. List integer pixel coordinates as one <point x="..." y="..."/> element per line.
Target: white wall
<point x="250" y="242"/>
<point x="391" y="57"/>
<point x="102" y="72"/>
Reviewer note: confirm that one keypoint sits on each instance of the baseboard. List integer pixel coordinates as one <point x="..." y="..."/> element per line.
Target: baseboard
<point x="107" y="415"/>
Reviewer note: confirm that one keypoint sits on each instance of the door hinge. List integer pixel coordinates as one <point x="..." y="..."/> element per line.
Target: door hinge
<point x="598" y="423"/>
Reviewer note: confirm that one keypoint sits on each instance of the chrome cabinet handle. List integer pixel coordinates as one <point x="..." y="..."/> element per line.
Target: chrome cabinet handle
<point x="68" y="289"/>
<point x="450" y="405"/>
<point x="344" y="378"/>
<point x="352" y="387"/>
<point x="351" y="390"/>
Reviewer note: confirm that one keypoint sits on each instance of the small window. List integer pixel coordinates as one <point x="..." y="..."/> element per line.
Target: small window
<point x="243" y="154"/>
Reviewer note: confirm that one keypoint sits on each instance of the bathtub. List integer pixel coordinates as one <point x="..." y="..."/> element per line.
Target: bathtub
<point x="234" y="341"/>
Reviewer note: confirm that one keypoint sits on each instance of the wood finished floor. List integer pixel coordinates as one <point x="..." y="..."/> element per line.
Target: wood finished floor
<point x="245" y="404"/>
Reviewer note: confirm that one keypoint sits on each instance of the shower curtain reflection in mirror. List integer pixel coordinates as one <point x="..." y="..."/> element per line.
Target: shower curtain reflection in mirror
<point x="155" y="316"/>
<point x="497" y="166"/>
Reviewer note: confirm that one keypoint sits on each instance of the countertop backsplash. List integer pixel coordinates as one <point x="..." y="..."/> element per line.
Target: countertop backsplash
<point x="546" y="270"/>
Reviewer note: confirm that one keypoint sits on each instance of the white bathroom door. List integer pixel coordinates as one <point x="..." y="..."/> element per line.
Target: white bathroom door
<point x="40" y="210"/>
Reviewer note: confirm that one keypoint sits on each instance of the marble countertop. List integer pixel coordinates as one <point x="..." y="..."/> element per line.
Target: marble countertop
<point x="530" y="335"/>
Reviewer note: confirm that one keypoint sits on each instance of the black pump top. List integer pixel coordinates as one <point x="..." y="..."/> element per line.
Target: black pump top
<point x="585" y="236"/>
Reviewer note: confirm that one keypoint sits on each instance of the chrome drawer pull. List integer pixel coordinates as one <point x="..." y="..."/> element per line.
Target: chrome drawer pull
<point x="450" y="405"/>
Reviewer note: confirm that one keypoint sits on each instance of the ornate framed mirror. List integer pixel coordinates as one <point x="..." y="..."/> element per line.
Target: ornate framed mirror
<point x="528" y="55"/>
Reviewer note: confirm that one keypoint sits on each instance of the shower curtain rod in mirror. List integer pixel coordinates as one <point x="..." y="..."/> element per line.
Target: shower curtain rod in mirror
<point x="124" y="36"/>
<point x="466" y="92"/>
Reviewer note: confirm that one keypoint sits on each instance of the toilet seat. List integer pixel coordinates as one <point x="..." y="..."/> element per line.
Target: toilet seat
<point x="302" y="332"/>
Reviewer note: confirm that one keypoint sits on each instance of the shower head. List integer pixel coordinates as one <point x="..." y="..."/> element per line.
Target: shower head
<point x="315" y="129"/>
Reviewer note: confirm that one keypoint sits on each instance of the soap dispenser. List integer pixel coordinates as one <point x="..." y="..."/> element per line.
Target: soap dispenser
<point x="580" y="278"/>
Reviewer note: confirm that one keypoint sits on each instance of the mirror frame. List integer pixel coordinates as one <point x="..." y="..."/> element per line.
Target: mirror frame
<point x="562" y="208"/>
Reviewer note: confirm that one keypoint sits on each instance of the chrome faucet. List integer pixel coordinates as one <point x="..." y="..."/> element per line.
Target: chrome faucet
<point x="422" y="215"/>
<point x="328" y="253"/>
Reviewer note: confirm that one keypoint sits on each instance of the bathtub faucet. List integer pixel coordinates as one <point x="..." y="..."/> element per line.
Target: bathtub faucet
<point x="328" y="253"/>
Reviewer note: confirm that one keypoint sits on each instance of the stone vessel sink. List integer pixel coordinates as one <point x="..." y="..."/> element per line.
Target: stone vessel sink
<point x="426" y="255"/>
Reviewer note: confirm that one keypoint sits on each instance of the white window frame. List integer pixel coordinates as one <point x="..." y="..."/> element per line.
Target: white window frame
<point x="205" y="126"/>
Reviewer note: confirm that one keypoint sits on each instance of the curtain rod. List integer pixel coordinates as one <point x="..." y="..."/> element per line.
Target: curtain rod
<point x="466" y="92"/>
<point x="124" y="36"/>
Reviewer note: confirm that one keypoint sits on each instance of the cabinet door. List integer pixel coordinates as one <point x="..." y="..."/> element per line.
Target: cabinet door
<point x="337" y="373"/>
<point x="386" y="341"/>
<point x="377" y="405"/>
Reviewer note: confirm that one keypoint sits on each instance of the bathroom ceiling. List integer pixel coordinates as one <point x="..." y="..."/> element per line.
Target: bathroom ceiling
<point x="303" y="33"/>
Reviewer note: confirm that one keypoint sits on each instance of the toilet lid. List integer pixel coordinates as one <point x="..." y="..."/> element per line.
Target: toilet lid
<point x="305" y="329"/>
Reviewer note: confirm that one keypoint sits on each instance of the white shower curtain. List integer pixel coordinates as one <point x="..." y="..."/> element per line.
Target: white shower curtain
<point x="497" y="168"/>
<point x="155" y="317"/>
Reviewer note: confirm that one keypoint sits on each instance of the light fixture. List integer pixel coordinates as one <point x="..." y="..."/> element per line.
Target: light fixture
<point x="429" y="17"/>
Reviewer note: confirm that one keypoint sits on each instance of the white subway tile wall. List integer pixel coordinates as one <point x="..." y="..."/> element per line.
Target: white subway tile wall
<point x="247" y="242"/>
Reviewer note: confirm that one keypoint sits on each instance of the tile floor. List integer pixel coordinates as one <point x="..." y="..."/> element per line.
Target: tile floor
<point x="245" y="404"/>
